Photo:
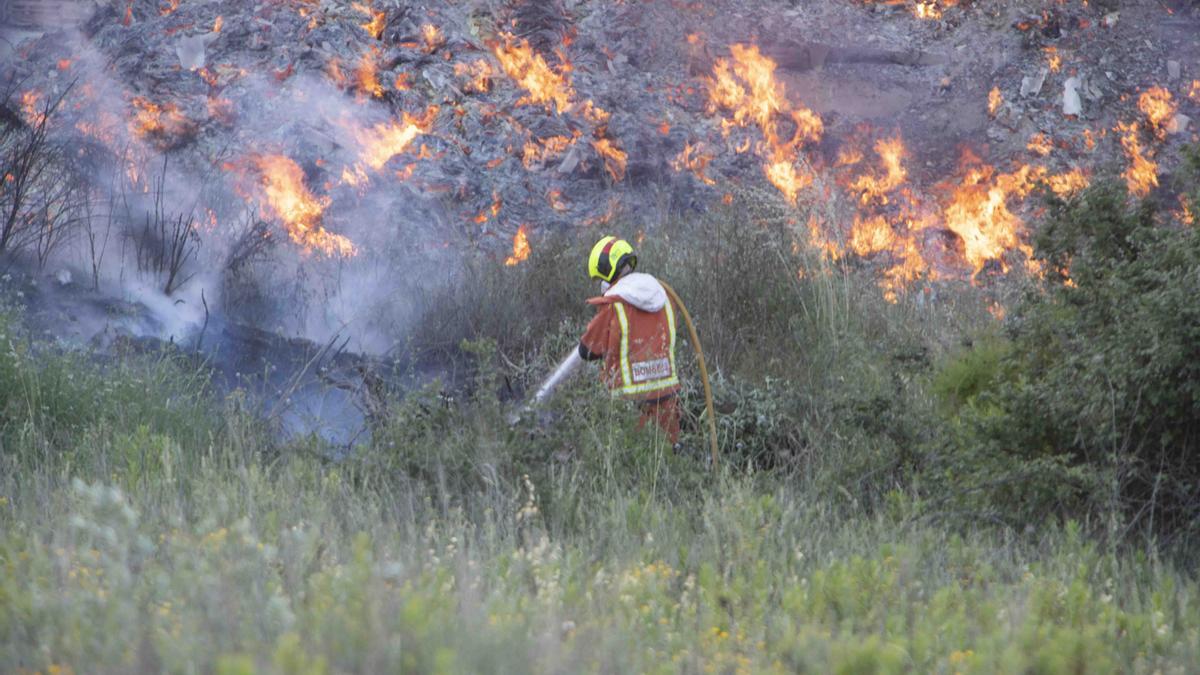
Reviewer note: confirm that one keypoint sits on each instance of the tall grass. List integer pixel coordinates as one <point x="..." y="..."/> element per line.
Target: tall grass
<point x="148" y="526"/>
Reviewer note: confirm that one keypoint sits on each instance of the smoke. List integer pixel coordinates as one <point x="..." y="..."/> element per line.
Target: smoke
<point x="189" y="157"/>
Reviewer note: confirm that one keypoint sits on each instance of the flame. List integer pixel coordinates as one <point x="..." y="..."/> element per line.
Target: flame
<point x="289" y="200"/>
<point x="378" y="20"/>
<point x="153" y="120"/>
<point x="817" y="239"/>
<point x="1067" y="184"/>
<point x="978" y="212"/>
<point x="478" y="74"/>
<point x="221" y="109"/>
<point x="909" y="267"/>
<point x="891" y="153"/>
<point x="1053" y="58"/>
<point x="334" y="69"/>
<point x="871" y="235"/>
<point x="693" y="158"/>
<point x="31" y="107"/>
<point x="927" y="10"/>
<point x="997" y="311"/>
<point x="1039" y="144"/>
<point x="537" y="152"/>
<point x="1194" y="91"/>
<point x="384" y="141"/>
<point x="1185" y="214"/>
<point x="531" y="71"/>
<point x="1142" y="174"/>
<point x="520" y="247"/>
<point x="169" y="9"/>
<point x="218" y="24"/>
<point x="432" y="38"/>
<point x="64" y="64"/>
<point x="745" y="86"/>
<point x="1156" y="104"/>
<point x="614" y="157"/>
<point x="995" y="100"/>
<point x="783" y="176"/>
<point x="366" y="74"/>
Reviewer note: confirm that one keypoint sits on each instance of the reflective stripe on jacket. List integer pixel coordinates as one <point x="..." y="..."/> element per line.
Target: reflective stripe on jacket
<point x="634" y="332"/>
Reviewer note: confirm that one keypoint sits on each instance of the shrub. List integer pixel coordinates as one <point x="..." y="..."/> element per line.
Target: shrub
<point x="1092" y="404"/>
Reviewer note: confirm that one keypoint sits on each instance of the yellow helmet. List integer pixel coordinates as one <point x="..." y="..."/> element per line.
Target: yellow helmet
<point x="609" y="255"/>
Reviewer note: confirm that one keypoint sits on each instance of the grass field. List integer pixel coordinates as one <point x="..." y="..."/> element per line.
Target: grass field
<point x="165" y="533"/>
<point x="151" y="524"/>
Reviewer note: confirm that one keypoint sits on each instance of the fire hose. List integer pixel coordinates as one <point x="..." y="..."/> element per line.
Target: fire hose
<point x="572" y="361"/>
<point x="708" y="400"/>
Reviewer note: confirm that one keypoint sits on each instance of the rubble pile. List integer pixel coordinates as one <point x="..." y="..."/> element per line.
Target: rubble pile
<point x="347" y="135"/>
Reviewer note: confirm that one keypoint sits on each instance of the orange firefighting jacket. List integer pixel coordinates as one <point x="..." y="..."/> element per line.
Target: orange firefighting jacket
<point x="634" y="332"/>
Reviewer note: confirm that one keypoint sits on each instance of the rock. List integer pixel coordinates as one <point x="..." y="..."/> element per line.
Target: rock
<point x="1173" y="71"/>
<point x="1178" y="124"/>
<point x="1031" y="85"/>
<point x="191" y="50"/>
<point x="1090" y="88"/>
<point x="1072" y="104"/>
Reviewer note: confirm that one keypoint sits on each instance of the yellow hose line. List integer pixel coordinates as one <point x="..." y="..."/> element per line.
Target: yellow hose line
<point x="708" y="400"/>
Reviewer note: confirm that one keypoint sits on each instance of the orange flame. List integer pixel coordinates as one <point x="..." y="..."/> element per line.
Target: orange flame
<point x="1156" y="104"/>
<point x="289" y="200"/>
<point x="871" y="235"/>
<point x="745" y="85"/>
<point x="1142" y="174"/>
<point x="31" y="107"/>
<point x="995" y="100"/>
<point x="162" y="122"/>
<point x="537" y="152"/>
<point x="64" y="64"/>
<point x="693" y="158"/>
<point x="218" y="24"/>
<point x="614" y="157"/>
<point x="520" y="247"/>
<point x="432" y="38"/>
<point x="872" y="188"/>
<point x="478" y="74"/>
<point x="978" y="212"/>
<point x="366" y="74"/>
<point x="1039" y="144"/>
<point x="377" y="22"/>
<point x="786" y="179"/>
<point x="1053" y="58"/>
<point x="1194" y="91"/>
<point x="927" y="10"/>
<point x="221" y="110"/>
<point x="170" y="8"/>
<point x="384" y="141"/>
<point x="531" y="71"/>
<point x="1067" y="184"/>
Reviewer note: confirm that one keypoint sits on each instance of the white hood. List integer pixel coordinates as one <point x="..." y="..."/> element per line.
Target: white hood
<point x="640" y="290"/>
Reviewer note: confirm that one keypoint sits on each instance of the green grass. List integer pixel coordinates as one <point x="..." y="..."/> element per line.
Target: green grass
<point x="143" y="545"/>
<point x="148" y="525"/>
<point x="297" y="567"/>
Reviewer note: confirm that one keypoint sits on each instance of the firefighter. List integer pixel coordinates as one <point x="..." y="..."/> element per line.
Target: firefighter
<point x="633" y="333"/>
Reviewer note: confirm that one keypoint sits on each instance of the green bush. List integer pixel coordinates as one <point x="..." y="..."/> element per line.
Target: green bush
<point x="1092" y="403"/>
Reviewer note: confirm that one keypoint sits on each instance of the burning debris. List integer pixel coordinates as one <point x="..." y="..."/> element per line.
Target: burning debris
<point x="285" y="198"/>
<point x="520" y="247"/>
<point x="381" y="122"/>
